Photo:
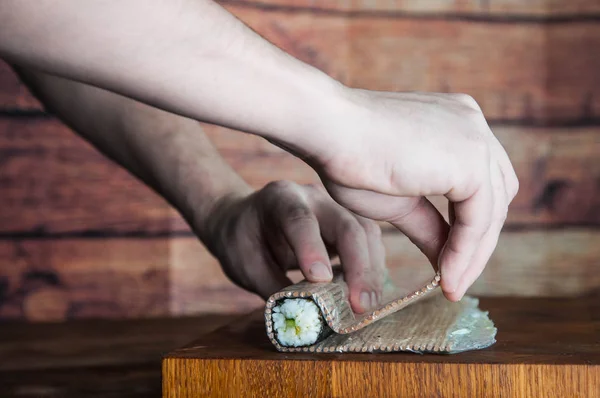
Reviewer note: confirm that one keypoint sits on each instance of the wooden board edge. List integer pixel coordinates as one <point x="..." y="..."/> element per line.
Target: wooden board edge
<point x="200" y="377"/>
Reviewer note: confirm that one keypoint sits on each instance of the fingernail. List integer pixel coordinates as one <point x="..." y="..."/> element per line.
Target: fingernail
<point x="374" y="301"/>
<point x="365" y="301"/>
<point x="320" y="271"/>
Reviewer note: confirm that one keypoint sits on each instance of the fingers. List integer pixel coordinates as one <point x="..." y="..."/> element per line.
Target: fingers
<point x="472" y="219"/>
<point x="511" y="182"/>
<point x="291" y="212"/>
<point x="376" y="254"/>
<point x="424" y="226"/>
<point x="365" y="279"/>
<point x="416" y="217"/>
<point x="505" y="186"/>
<point x="309" y="219"/>
<point x="479" y="261"/>
<point x="464" y="277"/>
<point x="358" y="244"/>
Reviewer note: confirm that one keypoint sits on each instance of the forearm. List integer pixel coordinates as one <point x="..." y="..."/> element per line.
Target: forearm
<point x="168" y="152"/>
<point x="190" y="57"/>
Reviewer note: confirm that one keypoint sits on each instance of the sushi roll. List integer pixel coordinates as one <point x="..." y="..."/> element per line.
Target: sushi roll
<point x="298" y="322"/>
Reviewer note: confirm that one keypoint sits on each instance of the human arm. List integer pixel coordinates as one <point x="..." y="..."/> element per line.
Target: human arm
<point x="190" y="57"/>
<point x="374" y="150"/>
<point x="256" y="236"/>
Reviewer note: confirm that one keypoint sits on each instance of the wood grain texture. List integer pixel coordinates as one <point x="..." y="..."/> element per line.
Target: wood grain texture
<point x="57" y="279"/>
<point x="130" y="381"/>
<point x="572" y="58"/>
<point x="198" y="284"/>
<point x="53" y="182"/>
<point x="508" y="69"/>
<point x="563" y="360"/>
<point x="505" y="67"/>
<point x="440" y="8"/>
<point x="83" y="343"/>
<point x="53" y="280"/>
<point x="558" y="174"/>
<point x="245" y="378"/>
<point x="91" y="358"/>
<point x="540" y="263"/>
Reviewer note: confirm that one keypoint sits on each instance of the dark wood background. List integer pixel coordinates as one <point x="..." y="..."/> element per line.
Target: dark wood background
<point x="80" y="237"/>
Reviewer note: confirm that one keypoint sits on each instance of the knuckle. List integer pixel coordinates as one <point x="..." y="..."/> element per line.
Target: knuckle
<point x="314" y="189"/>
<point x="349" y="226"/>
<point x="298" y="212"/>
<point x="467" y="100"/>
<point x="453" y="247"/>
<point x="371" y="228"/>
<point x="278" y="196"/>
<point x="474" y="179"/>
<point x="278" y="186"/>
<point x="411" y="205"/>
<point x="514" y="187"/>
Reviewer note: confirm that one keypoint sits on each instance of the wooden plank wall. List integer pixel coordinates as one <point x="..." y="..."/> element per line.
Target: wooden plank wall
<point x="80" y="237"/>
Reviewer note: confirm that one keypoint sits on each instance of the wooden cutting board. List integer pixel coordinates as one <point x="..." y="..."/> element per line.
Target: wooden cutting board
<point x="545" y="348"/>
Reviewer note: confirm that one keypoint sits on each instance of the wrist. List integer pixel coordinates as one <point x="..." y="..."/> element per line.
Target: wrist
<point x="307" y="131"/>
<point x="181" y="164"/>
<point x="206" y="206"/>
<point x="213" y="225"/>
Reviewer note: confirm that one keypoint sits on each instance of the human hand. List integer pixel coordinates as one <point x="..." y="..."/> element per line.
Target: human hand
<point x="284" y="226"/>
<point x="393" y="149"/>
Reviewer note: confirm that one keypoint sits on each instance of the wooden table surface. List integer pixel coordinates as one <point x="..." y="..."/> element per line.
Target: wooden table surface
<point x="544" y="346"/>
<point x="122" y="358"/>
<point x="99" y="358"/>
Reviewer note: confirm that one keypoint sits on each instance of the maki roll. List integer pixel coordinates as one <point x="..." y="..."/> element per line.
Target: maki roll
<point x="317" y="317"/>
<point x="298" y="322"/>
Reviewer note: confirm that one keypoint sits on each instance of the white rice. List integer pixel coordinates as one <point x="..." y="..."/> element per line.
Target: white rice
<point x="297" y="322"/>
